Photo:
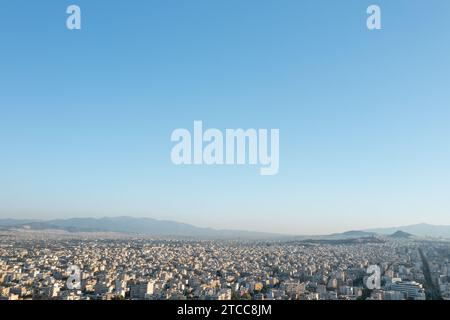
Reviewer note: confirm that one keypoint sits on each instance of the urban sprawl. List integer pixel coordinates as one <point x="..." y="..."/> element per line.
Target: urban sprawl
<point x="40" y="268"/>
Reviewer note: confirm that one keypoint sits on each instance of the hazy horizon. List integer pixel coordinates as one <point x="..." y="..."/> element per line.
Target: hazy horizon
<point x="231" y="229"/>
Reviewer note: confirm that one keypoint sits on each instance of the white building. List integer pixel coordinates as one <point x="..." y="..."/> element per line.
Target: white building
<point x="411" y="289"/>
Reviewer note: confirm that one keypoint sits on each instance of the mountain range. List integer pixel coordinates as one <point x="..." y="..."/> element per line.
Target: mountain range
<point x="129" y="225"/>
<point x="153" y="227"/>
<point x="420" y="230"/>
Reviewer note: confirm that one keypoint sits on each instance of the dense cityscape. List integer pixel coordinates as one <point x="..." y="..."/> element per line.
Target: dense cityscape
<point x="42" y="268"/>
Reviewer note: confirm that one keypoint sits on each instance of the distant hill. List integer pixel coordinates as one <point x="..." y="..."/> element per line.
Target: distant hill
<point x="129" y="225"/>
<point x="14" y="222"/>
<point x="421" y="230"/>
<point x="352" y="235"/>
<point x="401" y="235"/>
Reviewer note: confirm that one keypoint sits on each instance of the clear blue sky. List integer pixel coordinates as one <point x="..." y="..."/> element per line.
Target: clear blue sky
<point x="364" y="116"/>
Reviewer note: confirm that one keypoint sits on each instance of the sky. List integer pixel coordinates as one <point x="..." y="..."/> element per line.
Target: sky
<point x="86" y="115"/>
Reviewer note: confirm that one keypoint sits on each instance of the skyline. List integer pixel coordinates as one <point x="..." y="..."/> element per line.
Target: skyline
<point x="86" y="116"/>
